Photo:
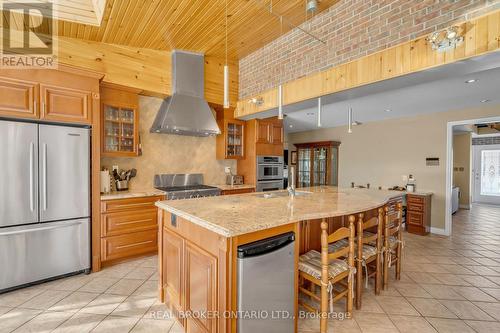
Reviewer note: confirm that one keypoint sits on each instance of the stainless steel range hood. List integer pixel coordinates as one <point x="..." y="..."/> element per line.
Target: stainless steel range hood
<point x="186" y="112"/>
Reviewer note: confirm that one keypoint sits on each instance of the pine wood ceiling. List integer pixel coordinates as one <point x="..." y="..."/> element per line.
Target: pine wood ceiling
<point x="196" y="25"/>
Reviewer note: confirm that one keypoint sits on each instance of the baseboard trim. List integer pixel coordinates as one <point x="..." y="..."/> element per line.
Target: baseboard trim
<point x="438" y="231"/>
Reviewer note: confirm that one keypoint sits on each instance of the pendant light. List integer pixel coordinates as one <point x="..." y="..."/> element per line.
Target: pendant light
<point x="280" y="101"/>
<point x="349" y="121"/>
<point x="320" y="106"/>
<point x="226" y="69"/>
<point x="280" y="87"/>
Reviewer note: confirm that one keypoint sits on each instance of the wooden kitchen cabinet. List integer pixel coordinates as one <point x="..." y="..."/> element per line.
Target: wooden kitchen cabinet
<point x="237" y="191"/>
<point x="230" y="143"/>
<point x="263" y="137"/>
<point x="269" y="131"/>
<point x="418" y="213"/>
<point x="19" y="98"/>
<point x="263" y="129"/>
<point x="120" y="121"/>
<point x="51" y="97"/>
<point x="128" y="228"/>
<point x="65" y="105"/>
<point x="201" y="288"/>
<point x="193" y="278"/>
<point x="173" y="270"/>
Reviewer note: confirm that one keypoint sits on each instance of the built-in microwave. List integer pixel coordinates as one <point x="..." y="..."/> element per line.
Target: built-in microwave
<point x="269" y="167"/>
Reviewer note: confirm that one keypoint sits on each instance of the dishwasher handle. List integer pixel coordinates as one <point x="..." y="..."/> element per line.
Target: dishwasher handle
<point x="265" y="246"/>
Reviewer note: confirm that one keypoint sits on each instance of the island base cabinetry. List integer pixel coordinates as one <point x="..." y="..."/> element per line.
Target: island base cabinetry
<point x="193" y="279"/>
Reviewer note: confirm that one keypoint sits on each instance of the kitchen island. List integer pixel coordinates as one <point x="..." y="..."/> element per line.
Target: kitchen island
<point x="199" y="238"/>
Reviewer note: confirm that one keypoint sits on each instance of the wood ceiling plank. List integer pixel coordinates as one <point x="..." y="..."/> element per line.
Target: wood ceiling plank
<point x="194" y="25"/>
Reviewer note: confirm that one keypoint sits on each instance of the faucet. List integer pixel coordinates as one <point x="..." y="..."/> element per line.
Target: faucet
<point x="291" y="182"/>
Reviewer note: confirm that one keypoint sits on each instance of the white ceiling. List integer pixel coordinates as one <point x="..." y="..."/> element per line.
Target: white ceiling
<point x="436" y="90"/>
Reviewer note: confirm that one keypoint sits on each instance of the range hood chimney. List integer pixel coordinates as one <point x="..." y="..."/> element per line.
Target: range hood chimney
<point x="186" y="112"/>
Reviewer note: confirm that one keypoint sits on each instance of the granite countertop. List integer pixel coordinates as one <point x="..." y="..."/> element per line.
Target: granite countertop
<point x="133" y="193"/>
<point x="239" y="214"/>
<point x="234" y="187"/>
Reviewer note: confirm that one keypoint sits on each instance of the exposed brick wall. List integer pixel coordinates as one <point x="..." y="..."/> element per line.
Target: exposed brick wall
<point x="351" y="29"/>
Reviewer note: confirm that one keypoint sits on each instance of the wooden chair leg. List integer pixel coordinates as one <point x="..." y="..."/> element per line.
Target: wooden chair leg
<point x="359" y="283"/>
<point x="348" y="301"/>
<point x="398" y="263"/>
<point x="386" y="269"/>
<point x="378" y="276"/>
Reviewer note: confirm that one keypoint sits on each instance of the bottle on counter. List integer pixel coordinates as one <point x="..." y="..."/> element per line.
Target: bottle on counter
<point x="411" y="184"/>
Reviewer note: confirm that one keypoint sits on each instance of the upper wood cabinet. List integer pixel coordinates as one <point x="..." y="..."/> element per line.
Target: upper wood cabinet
<point x="120" y="121"/>
<point x="269" y="131"/>
<point x="230" y="143"/>
<point x="65" y="95"/>
<point x="263" y="132"/>
<point x="66" y="105"/>
<point x="19" y="98"/>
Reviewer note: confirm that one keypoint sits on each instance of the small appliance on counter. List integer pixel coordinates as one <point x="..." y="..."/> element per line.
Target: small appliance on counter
<point x="122" y="178"/>
<point x="234" y="179"/>
<point x="105" y="181"/>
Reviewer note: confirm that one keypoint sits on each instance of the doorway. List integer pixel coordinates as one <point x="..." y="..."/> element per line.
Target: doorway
<point x="486" y="174"/>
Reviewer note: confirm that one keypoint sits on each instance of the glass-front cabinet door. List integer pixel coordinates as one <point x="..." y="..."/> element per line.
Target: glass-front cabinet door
<point x="234" y="139"/>
<point x="304" y="167"/>
<point x="320" y="164"/>
<point x="120" y="136"/>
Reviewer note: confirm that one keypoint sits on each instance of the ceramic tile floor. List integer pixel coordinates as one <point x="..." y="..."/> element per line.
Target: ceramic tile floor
<point x="449" y="284"/>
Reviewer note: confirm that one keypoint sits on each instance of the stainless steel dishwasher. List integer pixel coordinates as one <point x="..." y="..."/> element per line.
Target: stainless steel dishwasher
<point x="266" y="285"/>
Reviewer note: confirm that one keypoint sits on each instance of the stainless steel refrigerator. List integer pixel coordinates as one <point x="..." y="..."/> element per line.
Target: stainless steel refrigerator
<point x="44" y="202"/>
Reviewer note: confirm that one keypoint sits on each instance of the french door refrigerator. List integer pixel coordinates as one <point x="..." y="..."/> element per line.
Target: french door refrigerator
<point x="44" y="202"/>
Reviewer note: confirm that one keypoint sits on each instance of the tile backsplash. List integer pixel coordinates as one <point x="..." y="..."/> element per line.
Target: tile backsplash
<point x="168" y="153"/>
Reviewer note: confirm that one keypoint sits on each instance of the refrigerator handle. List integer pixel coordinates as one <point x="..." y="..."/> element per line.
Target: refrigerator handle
<point x="32" y="172"/>
<point x="44" y="175"/>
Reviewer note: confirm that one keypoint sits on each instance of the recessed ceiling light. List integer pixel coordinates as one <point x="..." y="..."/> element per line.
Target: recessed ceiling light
<point x="471" y="81"/>
<point x="291" y="126"/>
<point x="485" y="100"/>
<point x="388" y="110"/>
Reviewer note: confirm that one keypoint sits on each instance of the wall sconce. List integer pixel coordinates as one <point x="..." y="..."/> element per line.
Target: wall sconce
<point x="258" y="101"/>
<point x="446" y="39"/>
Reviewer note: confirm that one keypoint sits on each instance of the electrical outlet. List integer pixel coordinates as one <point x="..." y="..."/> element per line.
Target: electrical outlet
<point x="227" y="169"/>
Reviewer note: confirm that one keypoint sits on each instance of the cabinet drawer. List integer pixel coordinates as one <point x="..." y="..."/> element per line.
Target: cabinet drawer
<point x="128" y="204"/>
<point x="118" y="223"/>
<point x="238" y="191"/>
<point x="415" y="207"/>
<point x="117" y="247"/>
<point x="414" y="199"/>
<point x="415" y="218"/>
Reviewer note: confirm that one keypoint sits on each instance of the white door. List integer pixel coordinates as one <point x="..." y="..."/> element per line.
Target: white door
<point x="487" y="174"/>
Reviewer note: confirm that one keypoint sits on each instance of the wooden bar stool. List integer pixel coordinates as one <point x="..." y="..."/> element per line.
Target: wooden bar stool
<point x="328" y="269"/>
<point x="393" y="243"/>
<point x="368" y="253"/>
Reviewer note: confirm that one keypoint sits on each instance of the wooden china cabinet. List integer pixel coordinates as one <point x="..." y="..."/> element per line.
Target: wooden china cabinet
<point x="317" y="163"/>
<point x="120" y="121"/>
